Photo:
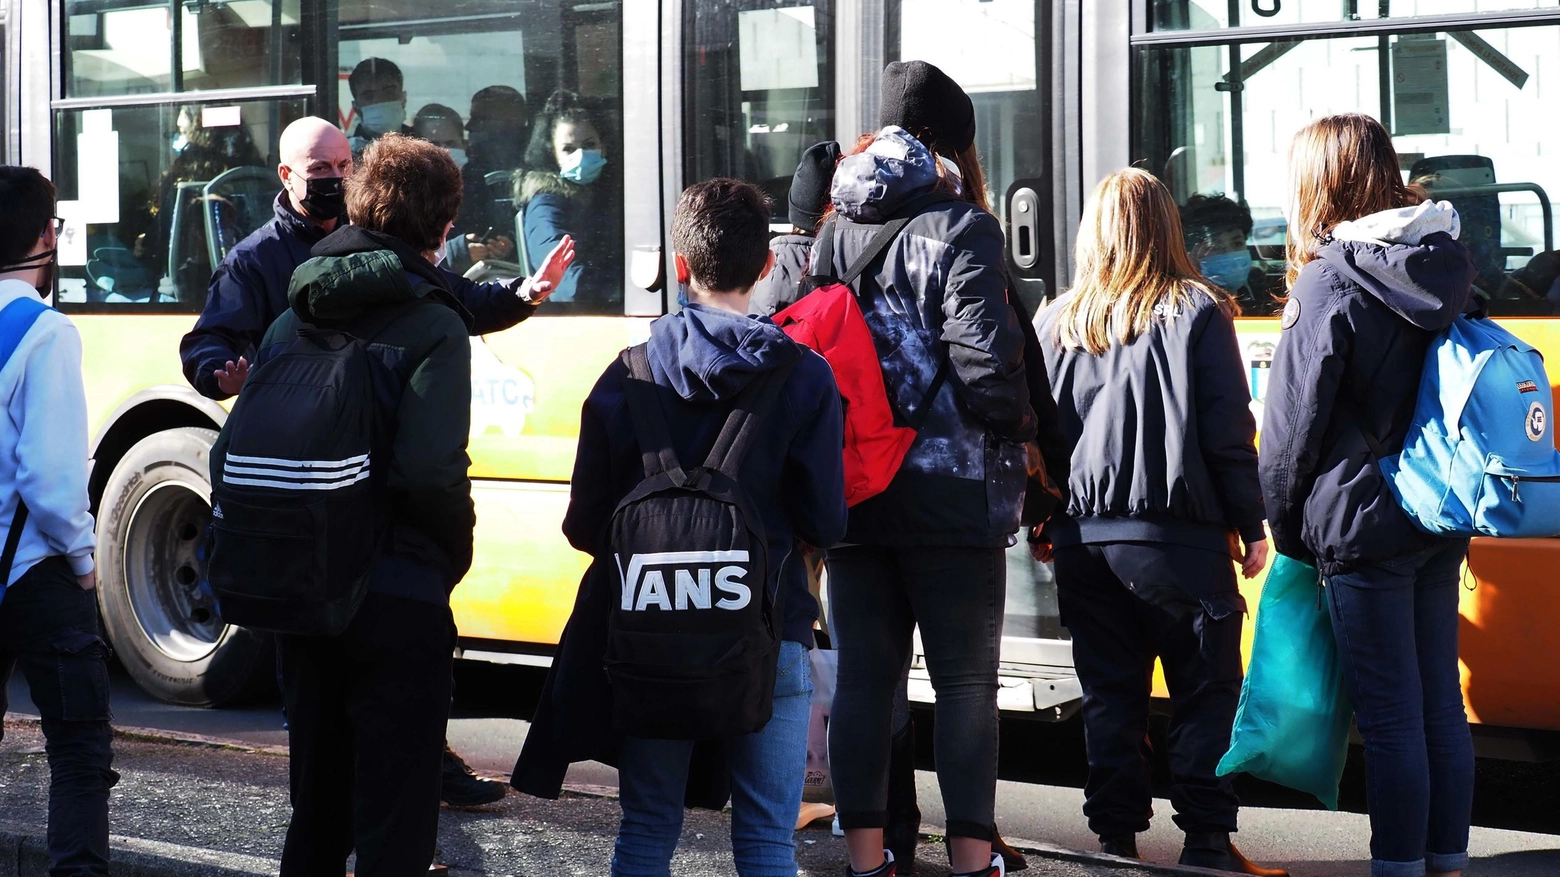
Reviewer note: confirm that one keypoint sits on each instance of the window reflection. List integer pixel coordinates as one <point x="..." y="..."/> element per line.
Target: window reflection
<point x="123" y="46"/>
<point x="1464" y="107"/>
<point x="161" y="194"/>
<point x="1209" y="14"/>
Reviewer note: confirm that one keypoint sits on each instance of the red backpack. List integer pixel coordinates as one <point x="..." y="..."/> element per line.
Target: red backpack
<point x="828" y="318"/>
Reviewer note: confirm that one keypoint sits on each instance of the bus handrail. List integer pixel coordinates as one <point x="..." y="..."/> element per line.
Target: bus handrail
<point x="1502" y="188"/>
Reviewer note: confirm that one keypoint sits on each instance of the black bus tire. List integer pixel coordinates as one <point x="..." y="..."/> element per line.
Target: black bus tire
<point x="151" y="525"/>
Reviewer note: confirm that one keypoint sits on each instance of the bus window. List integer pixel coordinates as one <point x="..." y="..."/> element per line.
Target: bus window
<point x="163" y="192"/>
<point x="528" y="97"/>
<point x="759" y="91"/>
<point x="123" y="47"/>
<point x="1467" y="117"/>
<point x="1211" y="14"/>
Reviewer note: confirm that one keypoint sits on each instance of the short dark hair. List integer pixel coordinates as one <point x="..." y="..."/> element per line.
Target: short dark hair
<point x="406" y="188"/>
<point x="721" y="227"/>
<point x="28" y="197"/>
<point x="1205" y="215"/>
<point x="372" y="68"/>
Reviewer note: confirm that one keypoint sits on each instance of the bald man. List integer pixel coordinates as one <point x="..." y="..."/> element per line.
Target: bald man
<point x="248" y="290"/>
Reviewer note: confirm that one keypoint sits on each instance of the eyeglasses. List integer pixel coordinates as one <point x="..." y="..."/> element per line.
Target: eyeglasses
<point x="55" y="223"/>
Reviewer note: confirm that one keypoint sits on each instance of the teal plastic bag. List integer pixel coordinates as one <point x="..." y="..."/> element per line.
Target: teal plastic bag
<point x="1292" y="726"/>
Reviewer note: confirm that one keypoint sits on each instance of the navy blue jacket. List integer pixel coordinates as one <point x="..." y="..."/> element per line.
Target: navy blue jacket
<point x="1161" y="432"/>
<point x="702" y="358"/>
<point x="249" y="291"/>
<point x="1358" y="323"/>
<point x="939" y="293"/>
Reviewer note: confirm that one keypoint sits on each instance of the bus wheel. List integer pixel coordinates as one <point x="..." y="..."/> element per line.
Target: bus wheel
<point x="151" y="526"/>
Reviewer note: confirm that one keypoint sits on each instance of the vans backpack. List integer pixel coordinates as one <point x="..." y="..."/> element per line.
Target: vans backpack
<point x="827" y="317"/>
<point x="1480" y="458"/>
<point x="297" y="484"/>
<point x="693" y="642"/>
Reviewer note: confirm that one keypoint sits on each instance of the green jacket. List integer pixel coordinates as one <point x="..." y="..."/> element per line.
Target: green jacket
<point x="354" y="277"/>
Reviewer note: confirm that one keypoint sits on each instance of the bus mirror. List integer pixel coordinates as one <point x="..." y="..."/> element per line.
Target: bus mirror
<point x="647" y="269"/>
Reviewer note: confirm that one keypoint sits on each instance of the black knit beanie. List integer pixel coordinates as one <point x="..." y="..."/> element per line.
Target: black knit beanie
<point x="810" y="187"/>
<point x="921" y="99"/>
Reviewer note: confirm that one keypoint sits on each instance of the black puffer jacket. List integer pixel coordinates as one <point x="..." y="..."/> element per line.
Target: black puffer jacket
<point x="1359" y="321"/>
<point x="778" y="291"/>
<point x="939" y="293"/>
<point x="1162" y="432"/>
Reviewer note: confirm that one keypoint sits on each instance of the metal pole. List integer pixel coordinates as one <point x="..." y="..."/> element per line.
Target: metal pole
<point x="176" y="51"/>
<point x="1235" y="84"/>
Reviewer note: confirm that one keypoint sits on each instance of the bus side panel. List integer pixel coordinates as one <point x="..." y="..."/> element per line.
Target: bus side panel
<point x="122" y="355"/>
<point x="524" y="575"/>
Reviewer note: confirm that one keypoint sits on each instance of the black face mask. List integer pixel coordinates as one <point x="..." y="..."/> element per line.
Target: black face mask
<point x="44" y="260"/>
<point x="325" y="198"/>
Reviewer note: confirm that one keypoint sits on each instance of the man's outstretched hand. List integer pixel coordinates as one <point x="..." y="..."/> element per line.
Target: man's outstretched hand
<point x="550" y="273"/>
<point x="231" y="378"/>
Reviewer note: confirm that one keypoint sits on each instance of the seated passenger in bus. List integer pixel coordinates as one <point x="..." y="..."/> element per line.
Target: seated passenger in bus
<point x="1216" y="230"/>
<point x="378" y="102"/>
<point x="441" y="126"/>
<point x="497" y="131"/>
<point x="571" y="190"/>
<point x="806" y="203"/>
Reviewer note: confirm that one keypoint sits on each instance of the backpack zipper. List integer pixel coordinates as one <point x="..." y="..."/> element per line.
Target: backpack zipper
<point x="1516" y="482"/>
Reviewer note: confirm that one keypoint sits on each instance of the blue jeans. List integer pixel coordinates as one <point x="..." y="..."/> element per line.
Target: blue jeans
<point x="1396" y="625"/>
<point x="766" y="771"/>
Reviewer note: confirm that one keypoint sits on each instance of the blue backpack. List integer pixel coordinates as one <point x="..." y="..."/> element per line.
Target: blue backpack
<point x="1479" y="459"/>
<point x="16" y="320"/>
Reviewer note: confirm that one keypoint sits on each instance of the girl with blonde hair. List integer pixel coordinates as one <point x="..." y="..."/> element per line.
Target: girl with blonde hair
<point x="1148" y="377"/>
<point x="1375" y="270"/>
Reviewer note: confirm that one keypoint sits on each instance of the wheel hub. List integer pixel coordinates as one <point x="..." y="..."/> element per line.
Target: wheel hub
<point x="163" y="573"/>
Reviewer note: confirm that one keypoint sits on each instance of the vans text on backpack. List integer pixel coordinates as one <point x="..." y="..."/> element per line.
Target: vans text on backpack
<point x="298" y="480"/>
<point x="1480" y="457"/>
<point x="827" y="317"/>
<point x="692" y="644"/>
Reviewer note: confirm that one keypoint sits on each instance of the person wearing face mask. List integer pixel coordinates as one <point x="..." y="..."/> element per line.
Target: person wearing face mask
<point x="48" y="602"/>
<point x="249" y="289"/>
<point x="378" y="101"/>
<point x="1216" y="230"/>
<point x="569" y="192"/>
<point x="441" y="126"/>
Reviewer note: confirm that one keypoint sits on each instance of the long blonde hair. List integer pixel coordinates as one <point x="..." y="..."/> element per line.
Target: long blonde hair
<point x="1342" y="168"/>
<point x="1132" y="265"/>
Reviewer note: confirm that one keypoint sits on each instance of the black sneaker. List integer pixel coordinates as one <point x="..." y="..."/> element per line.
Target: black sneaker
<point x="461" y="787"/>
<point x="1120" y="845"/>
<point x="884" y="870"/>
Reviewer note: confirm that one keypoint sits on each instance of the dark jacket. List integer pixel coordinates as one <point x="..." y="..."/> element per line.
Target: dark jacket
<point x="940" y="293"/>
<point x="775" y="293"/>
<point x="701" y="358"/>
<point x="249" y="291"/>
<point x="554" y="207"/>
<point x="353" y="277"/>
<point x="1162" y="434"/>
<point x="1358" y="323"/>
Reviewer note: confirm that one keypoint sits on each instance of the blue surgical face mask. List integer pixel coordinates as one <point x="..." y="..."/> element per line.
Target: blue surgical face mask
<point x="582" y="166"/>
<point x="383" y="118"/>
<point x="1230" y="270"/>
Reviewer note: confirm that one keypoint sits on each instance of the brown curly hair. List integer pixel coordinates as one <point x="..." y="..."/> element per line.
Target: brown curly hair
<point x="406" y="188"/>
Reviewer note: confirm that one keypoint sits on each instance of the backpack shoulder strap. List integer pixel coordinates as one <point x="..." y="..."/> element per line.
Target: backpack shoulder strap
<point x="751" y="408"/>
<point x="16" y="320"/>
<point x="887" y="232"/>
<point x="655" y="438"/>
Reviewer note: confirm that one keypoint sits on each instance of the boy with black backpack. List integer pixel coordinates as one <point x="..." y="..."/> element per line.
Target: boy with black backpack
<point x="705" y="456"/>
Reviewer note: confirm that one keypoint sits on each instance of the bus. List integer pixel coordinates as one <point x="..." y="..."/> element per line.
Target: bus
<point x="158" y="121"/>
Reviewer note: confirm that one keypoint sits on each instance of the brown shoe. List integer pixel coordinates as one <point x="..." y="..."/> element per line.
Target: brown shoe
<point x="1215" y="852"/>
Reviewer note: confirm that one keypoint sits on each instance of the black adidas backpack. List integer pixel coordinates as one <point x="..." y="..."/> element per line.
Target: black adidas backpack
<point x="695" y="636"/>
<point x="297" y="484"/>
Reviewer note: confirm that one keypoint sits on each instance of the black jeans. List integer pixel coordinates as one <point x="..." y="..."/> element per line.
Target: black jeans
<point x="1125" y="604"/>
<point x="49" y="626"/>
<point x="366" y="713"/>
<point x="877" y="596"/>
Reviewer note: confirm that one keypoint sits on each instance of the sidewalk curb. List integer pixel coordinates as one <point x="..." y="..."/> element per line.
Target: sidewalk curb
<point x="24" y="854"/>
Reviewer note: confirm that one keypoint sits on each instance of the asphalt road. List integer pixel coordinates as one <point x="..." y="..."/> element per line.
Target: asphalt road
<point x="1517" y="808"/>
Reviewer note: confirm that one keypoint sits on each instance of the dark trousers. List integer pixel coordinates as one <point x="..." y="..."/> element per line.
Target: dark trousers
<point x="1126" y="604"/>
<point x="366" y="713"/>
<point x="1397" y="641"/>
<point x="49" y="626"/>
<point x="877" y="596"/>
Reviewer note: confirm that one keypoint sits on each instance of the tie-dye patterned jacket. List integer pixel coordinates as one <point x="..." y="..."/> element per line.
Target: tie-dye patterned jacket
<point x="939" y="293"/>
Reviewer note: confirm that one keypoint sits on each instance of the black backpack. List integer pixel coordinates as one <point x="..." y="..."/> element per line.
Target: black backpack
<point x="298" y="478"/>
<point x="694" y="638"/>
